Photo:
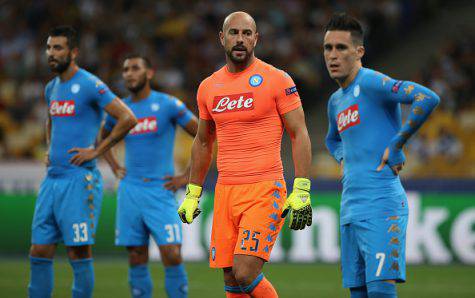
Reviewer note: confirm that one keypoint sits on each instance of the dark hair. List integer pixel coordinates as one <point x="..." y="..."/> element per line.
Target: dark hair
<point x="145" y="59"/>
<point x="69" y="33"/>
<point x="344" y="22"/>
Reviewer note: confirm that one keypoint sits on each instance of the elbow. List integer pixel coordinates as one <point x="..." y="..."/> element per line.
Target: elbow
<point x="131" y="121"/>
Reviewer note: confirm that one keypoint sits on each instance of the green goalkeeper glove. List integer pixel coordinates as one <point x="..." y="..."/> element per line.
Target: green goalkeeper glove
<point x="188" y="209"/>
<point x="298" y="204"/>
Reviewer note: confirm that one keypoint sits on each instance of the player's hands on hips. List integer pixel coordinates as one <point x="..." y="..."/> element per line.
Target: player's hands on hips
<point x="82" y="155"/>
<point x="298" y="204"/>
<point x="175" y="182"/>
<point x="188" y="209"/>
<point x="119" y="172"/>
<point x="394" y="158"/>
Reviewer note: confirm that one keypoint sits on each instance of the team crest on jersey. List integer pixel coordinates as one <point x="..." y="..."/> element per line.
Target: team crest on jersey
<point x="348" y="118"/>
<point x="255" y="80"/>
<point x="144" y="125"/>
<point x="356" y="91"/>
<point x="233" y="103"/>
<point x="155" y="107"/>
<point x="75" y="88"/>
<point x="62" y="108"/>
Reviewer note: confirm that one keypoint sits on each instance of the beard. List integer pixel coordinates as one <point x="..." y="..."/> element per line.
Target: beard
<point x="239" y="60"/>
<point x="61" y="65"/>
<point x="140" y="85"/>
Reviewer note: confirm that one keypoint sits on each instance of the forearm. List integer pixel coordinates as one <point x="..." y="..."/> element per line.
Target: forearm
<point x="120" y="130"/>
<point x="302" y="153"/>
<point x="422" y="106"/>
<point x="335" y="148"/>
<point x="48" y="133"/>
<point x="201" y="154"/>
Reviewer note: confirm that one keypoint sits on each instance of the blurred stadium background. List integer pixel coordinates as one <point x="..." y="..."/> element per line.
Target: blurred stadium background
<point x="430" y="41"/>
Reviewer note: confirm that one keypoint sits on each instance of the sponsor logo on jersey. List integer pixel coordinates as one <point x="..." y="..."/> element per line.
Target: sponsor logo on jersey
<point x="255" y="80"/>
<point x="348" y="118"/>
<point x="233" y="103"/>
<point x="291" y="90"/>
<point x="145" y="125"/>
<point x="62" y="108"/>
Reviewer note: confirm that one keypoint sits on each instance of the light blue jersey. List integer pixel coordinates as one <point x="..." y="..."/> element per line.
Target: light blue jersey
<point x="75" y="108"/>
<point x="144" y="206"/>
<point x="364" y="119"/>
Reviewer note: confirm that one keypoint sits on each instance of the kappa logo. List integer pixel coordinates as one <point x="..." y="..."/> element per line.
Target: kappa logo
<point x="233" y="103"/>
<point x="62" y="108"/>
<point x="348" y="118"/>
<point x="145" y="125"/>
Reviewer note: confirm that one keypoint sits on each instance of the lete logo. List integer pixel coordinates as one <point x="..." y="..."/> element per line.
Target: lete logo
<point x="145" y="125"/>
<point x="62" y="108"/>
<point x="233" y="103"/>
<point x="348" y="118"/>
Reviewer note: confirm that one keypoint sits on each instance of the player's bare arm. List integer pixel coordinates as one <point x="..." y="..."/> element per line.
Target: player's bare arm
<point x="118" y="170"/>
<point x="125" y="121"/>
<point x="48" y="138"/>
<point x="298" y="203"/>
<point x="201" y="154"/>
<point x="175" y="182"/>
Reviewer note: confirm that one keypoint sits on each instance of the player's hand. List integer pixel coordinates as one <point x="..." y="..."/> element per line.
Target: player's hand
<point x="82" y="155"/>
<point x="298" y="204"/>
<point x="119" y="172"/>
<point x="188" y="209"/>
<point x="175" y="182"/>
<point x="394" y="158"/>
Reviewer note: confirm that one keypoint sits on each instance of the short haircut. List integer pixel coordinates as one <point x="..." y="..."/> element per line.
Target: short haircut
<point x="69" y="33"/>
<point x="144" y="58"/>
<point x="344" y="22"/>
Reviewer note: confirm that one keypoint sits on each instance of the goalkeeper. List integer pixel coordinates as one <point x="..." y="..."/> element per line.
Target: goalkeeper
<point x="245" y="106"/>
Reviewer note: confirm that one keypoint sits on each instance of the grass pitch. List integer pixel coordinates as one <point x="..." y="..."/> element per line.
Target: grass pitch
<point x="290" y="280"/>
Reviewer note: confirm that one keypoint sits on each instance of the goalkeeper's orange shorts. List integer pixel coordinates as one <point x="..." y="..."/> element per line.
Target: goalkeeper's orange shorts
<point x="246" y="220"/>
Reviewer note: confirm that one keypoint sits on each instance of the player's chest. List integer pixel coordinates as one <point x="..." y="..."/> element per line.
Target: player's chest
<point x="152" y="120"/>
<point x="241" y="104"/>
<point x="68" y="102"/>
<point x="352" y="112"/>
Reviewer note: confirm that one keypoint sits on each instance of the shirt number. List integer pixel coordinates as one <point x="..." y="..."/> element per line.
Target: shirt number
<point x="80" y="232"/>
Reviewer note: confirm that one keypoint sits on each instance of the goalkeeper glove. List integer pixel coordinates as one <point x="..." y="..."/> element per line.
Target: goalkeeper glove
<point x="298" y="204"/>
<point x="188" y="209"/>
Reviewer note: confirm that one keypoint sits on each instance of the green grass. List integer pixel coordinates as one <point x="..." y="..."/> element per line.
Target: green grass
<point x="290" y="280"/>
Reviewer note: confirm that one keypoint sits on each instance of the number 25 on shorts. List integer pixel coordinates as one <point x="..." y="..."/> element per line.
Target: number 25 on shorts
<point x="248" y="242"/>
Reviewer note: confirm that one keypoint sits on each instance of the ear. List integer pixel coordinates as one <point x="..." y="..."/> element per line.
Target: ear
<point x="150" y="74"/>
<point x="74" y="53"/>
<point x="221" y="37"/>
<point x="360" y="50"/>
<point x="257" y="38"/>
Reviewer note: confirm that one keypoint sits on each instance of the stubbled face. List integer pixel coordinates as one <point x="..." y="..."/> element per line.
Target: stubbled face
<point x="135" y="74"/>
<point x="239" y="38"/>
<point x="58" y="53"/>
<point x="341" y="54"/>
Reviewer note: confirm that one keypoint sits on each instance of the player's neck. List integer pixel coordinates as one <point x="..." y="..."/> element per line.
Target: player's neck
<point x="345" y="82"/>
<point x="69" y="72"/>
<point x="237" y="67"/>
<point x="142" y="94"/>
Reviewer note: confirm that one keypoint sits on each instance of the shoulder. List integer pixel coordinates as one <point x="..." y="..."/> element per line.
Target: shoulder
<point x="333" y="98"/>
<point x="374" y="79"/>
<point x="167" y="99"/>
<point x="272" y="70"/>
<point x="90" y="79"/>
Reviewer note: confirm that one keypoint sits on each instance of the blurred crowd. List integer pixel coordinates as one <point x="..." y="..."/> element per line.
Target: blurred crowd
<point x="181" y="39"/>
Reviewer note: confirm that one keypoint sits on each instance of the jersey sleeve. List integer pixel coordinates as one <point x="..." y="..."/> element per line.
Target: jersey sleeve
<point x="201" y="99"/>
<point x="287" y="98"/>
<point x="181" y="114"/>
<point x="47" y="92"/>
<point x="333" y="139"/>
<point x="101" y="93"/>
<point x="110" y="123"/>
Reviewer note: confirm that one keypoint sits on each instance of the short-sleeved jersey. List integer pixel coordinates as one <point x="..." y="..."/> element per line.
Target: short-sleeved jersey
<point x="364" y="117"/>
<point x="149" y="145"/>
<point x="246" y="108"/>
<point x="76" y="111"/>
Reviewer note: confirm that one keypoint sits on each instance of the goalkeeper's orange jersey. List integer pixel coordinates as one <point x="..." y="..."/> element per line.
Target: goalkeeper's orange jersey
<point x="246" y="108"/>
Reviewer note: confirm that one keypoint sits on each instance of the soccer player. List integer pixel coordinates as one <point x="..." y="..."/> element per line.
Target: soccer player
<point x="70" y="196"/>
<point x="146" y="201"/>
<point x="366" y="137"/>
<point x="245" y="105"/>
